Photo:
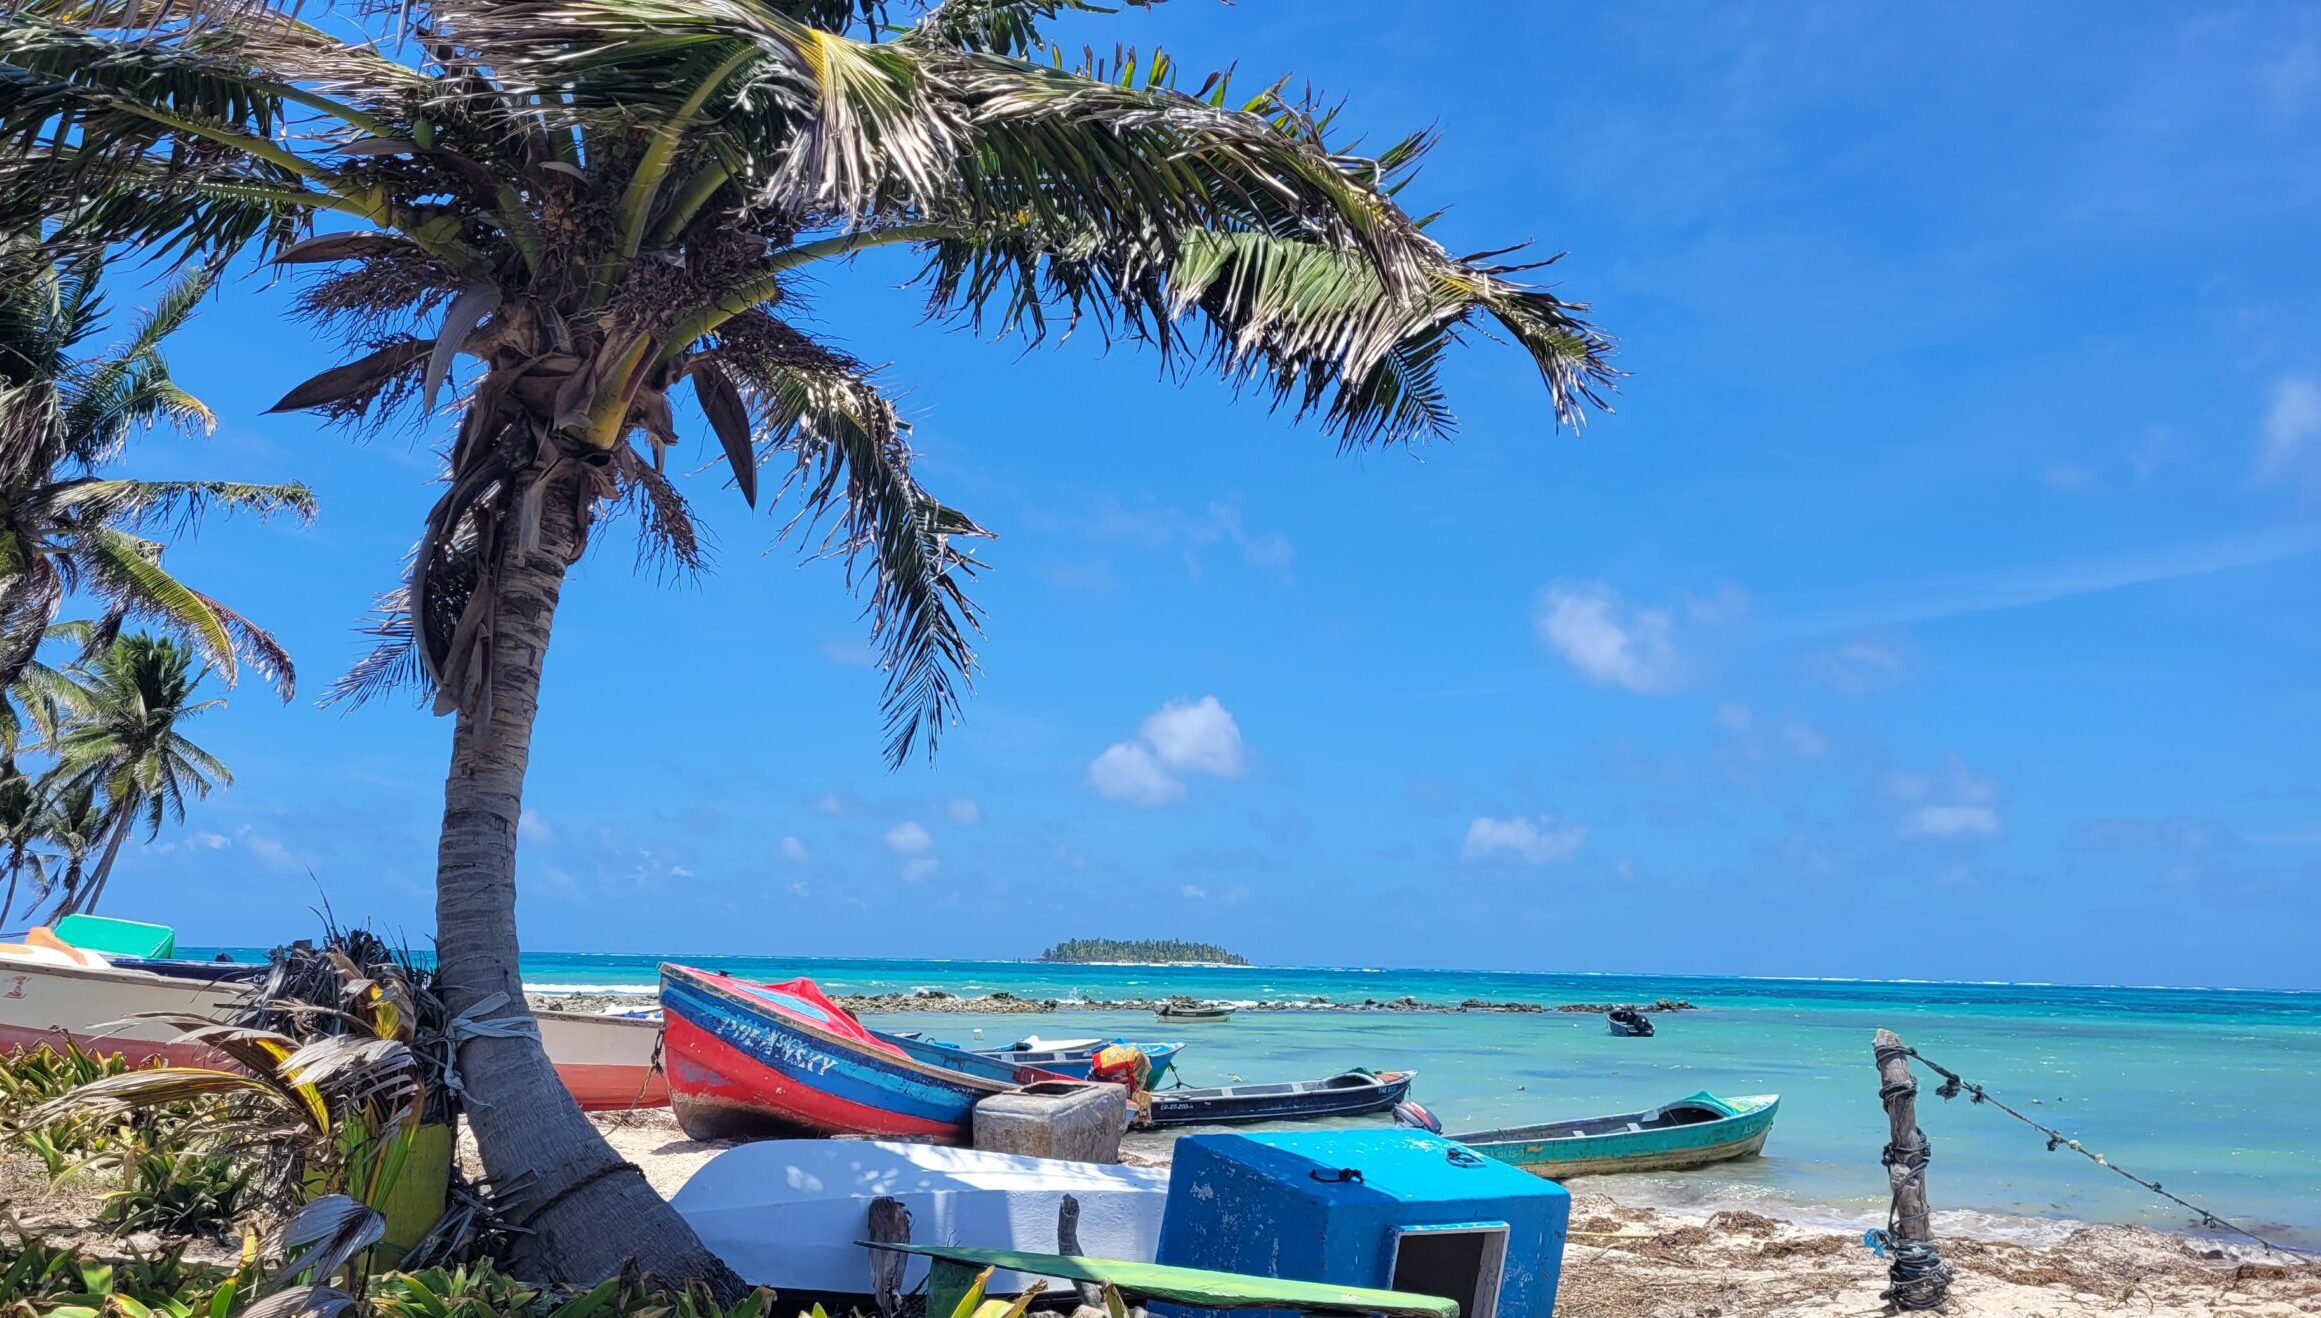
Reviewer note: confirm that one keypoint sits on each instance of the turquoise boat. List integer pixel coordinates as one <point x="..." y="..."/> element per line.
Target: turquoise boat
<point x="1690" y="1132"/>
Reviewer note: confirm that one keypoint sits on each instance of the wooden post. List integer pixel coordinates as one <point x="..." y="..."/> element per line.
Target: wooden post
<point x="1918" y="1276"/>
<point x="890" y="1224"/>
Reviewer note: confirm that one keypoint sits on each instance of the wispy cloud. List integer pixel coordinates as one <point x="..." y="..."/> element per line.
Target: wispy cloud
<point x="1540" y="841"/>
<point x="1608" y="640"/>
<point x="1613" y="641"/>
<point x="1950" y="803"/>
<point x="533" y="828"/>
<point x="2044" y="583"/>
<point x="909" y="838"/>
<point x="2289" y="447"/>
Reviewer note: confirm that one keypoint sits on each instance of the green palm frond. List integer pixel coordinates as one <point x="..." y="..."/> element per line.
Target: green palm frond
<point x="852" y="476"/>
<point x="126" y="571"/>
<point x="619" y="197"/>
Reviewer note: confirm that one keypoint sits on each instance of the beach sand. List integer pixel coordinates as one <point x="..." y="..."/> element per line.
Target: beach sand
<point x="1628" y="1262"/>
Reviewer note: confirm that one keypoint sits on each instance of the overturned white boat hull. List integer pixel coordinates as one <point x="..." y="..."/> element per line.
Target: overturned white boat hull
<point x="790" y="1213"/>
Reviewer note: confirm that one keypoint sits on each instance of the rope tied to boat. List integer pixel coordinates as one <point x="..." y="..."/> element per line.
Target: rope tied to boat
<point x="1953" y="1084"/>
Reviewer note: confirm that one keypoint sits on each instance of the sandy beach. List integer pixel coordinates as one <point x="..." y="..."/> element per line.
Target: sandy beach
<point x="1629" y="1262"/>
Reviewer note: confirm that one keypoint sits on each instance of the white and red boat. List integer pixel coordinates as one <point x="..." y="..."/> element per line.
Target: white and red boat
<point x="50" y="989"/>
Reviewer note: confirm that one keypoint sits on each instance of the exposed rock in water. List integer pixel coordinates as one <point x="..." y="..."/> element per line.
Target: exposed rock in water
<point x="940" y="1001"/>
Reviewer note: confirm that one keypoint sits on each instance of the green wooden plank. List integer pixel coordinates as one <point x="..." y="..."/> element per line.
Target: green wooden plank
<point x="1196" y="1286"/>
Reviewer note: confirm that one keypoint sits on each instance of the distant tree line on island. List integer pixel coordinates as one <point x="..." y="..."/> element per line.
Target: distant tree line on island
<point x="1139" y="949"/>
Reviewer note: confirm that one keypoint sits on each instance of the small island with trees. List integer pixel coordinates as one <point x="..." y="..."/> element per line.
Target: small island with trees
<point x="1141" y="951"/>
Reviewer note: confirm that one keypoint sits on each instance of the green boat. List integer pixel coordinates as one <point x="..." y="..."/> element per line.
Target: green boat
<point x="1690" y="1132"/>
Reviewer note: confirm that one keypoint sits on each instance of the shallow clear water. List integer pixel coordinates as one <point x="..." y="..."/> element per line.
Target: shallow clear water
<point x="2210" y="1092"/>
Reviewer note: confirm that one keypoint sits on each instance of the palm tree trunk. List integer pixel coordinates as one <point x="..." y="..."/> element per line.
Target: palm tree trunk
<point x="123" y="823"/>
<point x="581" y="1210"/>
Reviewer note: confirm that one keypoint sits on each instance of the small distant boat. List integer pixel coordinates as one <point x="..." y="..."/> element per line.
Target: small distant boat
<point x="1354" y="1094"/>
<point x="1188" y="1012"/>
<point x="1690" y="1132"/>
<point x="1629" y="1023"/>
<point x="790" y="1213"/>
<point x="751" y="1061"/>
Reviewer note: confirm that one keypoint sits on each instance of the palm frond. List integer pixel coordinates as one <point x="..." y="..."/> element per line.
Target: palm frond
<point x="852" y="474"/>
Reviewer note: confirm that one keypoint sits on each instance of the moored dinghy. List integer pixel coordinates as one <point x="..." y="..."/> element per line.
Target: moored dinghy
<point x="789" y="1213"/>
<point x="1354" y="1094"/>
<point x="1187" y="1011"/>
<point x="1628" y="1022"/>
<point x="752" y="1061"/>
<point x="1690" y="1132"/>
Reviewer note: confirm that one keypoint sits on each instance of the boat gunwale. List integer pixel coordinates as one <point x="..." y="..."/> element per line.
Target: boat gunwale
<point x="1749" y="1107"/>
<point x="851" y="1047"/>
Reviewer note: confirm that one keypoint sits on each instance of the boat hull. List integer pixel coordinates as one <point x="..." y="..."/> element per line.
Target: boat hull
<point x="1235" y="1105"/>
<point x="740" y="1069"/>
<point x="792" y="1213"/>
<point x="605" y="1061"/>
<point x="1741" y="1134"/>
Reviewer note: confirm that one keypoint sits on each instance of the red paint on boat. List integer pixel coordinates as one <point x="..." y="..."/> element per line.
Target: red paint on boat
<point x="721" y="1087"/>
<point x="142" y="1052"/>
<point x="613" y="1088"/>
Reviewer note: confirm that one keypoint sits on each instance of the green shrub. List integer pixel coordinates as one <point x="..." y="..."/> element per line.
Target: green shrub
<point x="29" y="1079"/>
<point x="176" y="1193"/>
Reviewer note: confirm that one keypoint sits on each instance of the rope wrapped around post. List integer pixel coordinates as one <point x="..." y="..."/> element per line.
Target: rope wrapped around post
<point x="1917" y="1277"/>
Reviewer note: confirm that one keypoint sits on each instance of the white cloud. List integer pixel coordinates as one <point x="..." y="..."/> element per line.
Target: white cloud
<point x="1609" y="640"/>
<point x="1193" y="892"/>
<point x="2288" y="450"/>
<point x="800" y="889"/>
<point x="828" y="803"/>
<point x="964" y="811"/>
<point x="207" y="842"/>
<point x="1127" y="771"/>
<point x="793" y="850"/>
<point x="1533" y="842"/>
<point x="915" y="871"/>
<point x="534" y="828"/>
<point x="272" y="853"/>
<point x="909" y="838"/>
<point x="1733" y="717"/>
<point x="1182" y="737"/>
<point x="1951" y="802"/>
<point x="854" y="654"/>
<point x="2069" y="477"/>
<point x="1197" y="736"/>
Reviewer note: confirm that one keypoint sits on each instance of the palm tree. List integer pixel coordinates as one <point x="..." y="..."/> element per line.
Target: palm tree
<point x="124" y="747"/>
<point x="600" y="203"/>
<point x="52" y="843"/>
<point x="63" y="417"/>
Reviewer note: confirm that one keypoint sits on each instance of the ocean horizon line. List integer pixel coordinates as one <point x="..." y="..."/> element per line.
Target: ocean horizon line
<point x="1287" y="967"/>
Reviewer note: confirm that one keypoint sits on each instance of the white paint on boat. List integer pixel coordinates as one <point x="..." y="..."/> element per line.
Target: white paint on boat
<point x="606" y="1061"/>
<point x="788" y="1213"/>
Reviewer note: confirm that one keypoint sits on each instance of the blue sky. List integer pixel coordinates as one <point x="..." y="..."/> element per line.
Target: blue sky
<point x="1939" y="601"/>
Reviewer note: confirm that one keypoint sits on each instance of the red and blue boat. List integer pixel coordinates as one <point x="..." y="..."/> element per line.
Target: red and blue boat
<point x="758" y="1061"/>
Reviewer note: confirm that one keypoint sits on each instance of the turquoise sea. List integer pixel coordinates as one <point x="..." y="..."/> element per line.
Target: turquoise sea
<point x="2214" y="1093"/>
